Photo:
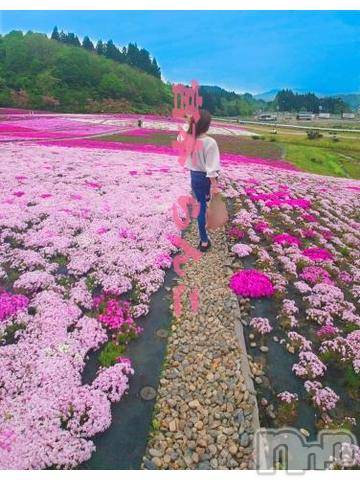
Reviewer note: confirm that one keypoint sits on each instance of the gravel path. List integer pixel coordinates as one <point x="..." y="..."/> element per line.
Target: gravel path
<point x="205" y="413"/>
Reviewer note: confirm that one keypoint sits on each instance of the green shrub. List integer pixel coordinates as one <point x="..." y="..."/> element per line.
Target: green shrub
<point x="110" y="353"/>
<point x="352" y="380"/>
<point x="313" y="134"/>
<point x="91" y="283"/>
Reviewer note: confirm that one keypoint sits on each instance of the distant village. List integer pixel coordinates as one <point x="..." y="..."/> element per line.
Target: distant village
<point x="303" y="116"/>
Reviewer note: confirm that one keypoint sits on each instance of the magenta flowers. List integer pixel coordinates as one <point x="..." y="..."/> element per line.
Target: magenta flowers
<point x="317" y="254"/>
<point x="251" y="283"/>
<point x="286" y="239"/>
<point x="114" y="314"/>
<point x="10" y="304"/>
<point x="236" y="232"/>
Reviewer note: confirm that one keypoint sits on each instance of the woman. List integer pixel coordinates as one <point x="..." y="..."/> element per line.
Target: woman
<point x="204" y="165"/>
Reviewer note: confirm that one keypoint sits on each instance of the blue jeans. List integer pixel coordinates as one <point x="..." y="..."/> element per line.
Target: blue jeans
<point x="200" y="185"/>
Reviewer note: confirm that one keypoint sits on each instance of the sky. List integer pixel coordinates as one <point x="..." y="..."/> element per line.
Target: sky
<point x="244" y="51"/>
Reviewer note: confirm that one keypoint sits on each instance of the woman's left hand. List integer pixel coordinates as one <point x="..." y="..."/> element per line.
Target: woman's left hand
<point x="214" y="189"/>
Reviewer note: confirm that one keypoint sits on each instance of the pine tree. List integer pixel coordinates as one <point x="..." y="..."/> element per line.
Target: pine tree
<point x="100" y="48"/>
<point x="62" y="37"/>
<point x="132" y="56"/>
<point x="72" y="39"/>
<point x="87" y="43"/>
<point x="55" y="34"/>
<point x="155" y="68"/>
<point x="111" y="51"/>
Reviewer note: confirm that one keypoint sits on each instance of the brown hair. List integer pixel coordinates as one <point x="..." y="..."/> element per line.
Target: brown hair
<point x="202" y="125"/>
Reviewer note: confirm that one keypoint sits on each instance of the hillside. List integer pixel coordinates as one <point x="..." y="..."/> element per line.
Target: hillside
<point x="222" y="102"/>
<point x="40" y="73"/>
<point x="352" y="99"/>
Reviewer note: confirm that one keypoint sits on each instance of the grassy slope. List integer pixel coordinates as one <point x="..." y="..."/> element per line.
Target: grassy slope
<point x="43" y="74"/>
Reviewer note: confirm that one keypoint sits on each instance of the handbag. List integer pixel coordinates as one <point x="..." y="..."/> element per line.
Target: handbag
<point x="216" y="214"/>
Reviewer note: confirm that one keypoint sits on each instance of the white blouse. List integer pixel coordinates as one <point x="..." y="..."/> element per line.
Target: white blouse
<point x="207" y="159"/>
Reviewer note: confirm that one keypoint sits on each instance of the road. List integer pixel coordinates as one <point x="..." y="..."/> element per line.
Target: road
<point x="284" y="125"/>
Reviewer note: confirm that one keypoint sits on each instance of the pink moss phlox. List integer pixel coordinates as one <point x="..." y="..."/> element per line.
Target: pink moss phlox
<point x="317" y="254"/>
<point x="251" y="283"/>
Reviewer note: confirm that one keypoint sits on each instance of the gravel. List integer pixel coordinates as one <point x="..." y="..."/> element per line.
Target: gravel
<point x="204" y="409"/>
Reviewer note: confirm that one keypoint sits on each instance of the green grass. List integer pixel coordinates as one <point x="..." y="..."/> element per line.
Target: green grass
<point x="154" y="139"/>
<point x="248" y="146"/>
<point x="315" y="160"/>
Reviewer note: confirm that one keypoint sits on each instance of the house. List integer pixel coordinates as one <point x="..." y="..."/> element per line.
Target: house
<point x="348" y="116"/>
<point x="324" y="115"/>
<point x="267" y="117"/>
<point x="305" y="116"/>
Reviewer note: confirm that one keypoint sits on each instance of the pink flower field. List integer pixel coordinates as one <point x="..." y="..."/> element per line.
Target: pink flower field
<point x="86" y="240"/>
<point x="23" y="125"/>
<point x="73" y="219"/>
<point x="316" y="278"/>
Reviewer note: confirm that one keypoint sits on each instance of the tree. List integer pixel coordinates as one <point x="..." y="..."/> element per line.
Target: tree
<point x="132" y="54"/>
<point x="155" y="69"/>
<point x="100" y="48"/>
<point x="46" y="82"/>
<point x="111" y="86"/>
<point x="72" y="68"/>
<point x="55" y="34"/>
<point x="62" y="37"/>
<point x="87" y="43"/>
<point x="111" y="51"/>
<point x="72" y="39"/>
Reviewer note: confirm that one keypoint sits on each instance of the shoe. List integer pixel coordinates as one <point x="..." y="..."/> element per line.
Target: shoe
<point x="202" y="248"/>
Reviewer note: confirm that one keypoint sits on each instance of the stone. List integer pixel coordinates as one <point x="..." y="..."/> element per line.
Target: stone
<point x="305" y="432"/>
<point x="232" y="463"/>
<point x="212" y="449"/>
<point x="202" y="442"/>
<point x="244" y="439"/>
<point x="174" y="456"/>
<point x="194" y="404"/>
<point x="270" y="412"/>
<point x="188" y="460"/>
<point x="148" y="464"/>
<point x="173" y="426"/>
<point x="167" y="459"/>
<point x="155" y="453"/>
<point x="157" y="462"/>
<point x="148" y="393"/>
<point x="161" y="333"/>
<point x="233" y="449"/>
<point x="264" y="349"/>
<point x="195" y="457"/>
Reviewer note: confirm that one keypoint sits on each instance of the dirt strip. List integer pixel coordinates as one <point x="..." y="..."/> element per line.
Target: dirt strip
<point x="205" y="413"/>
